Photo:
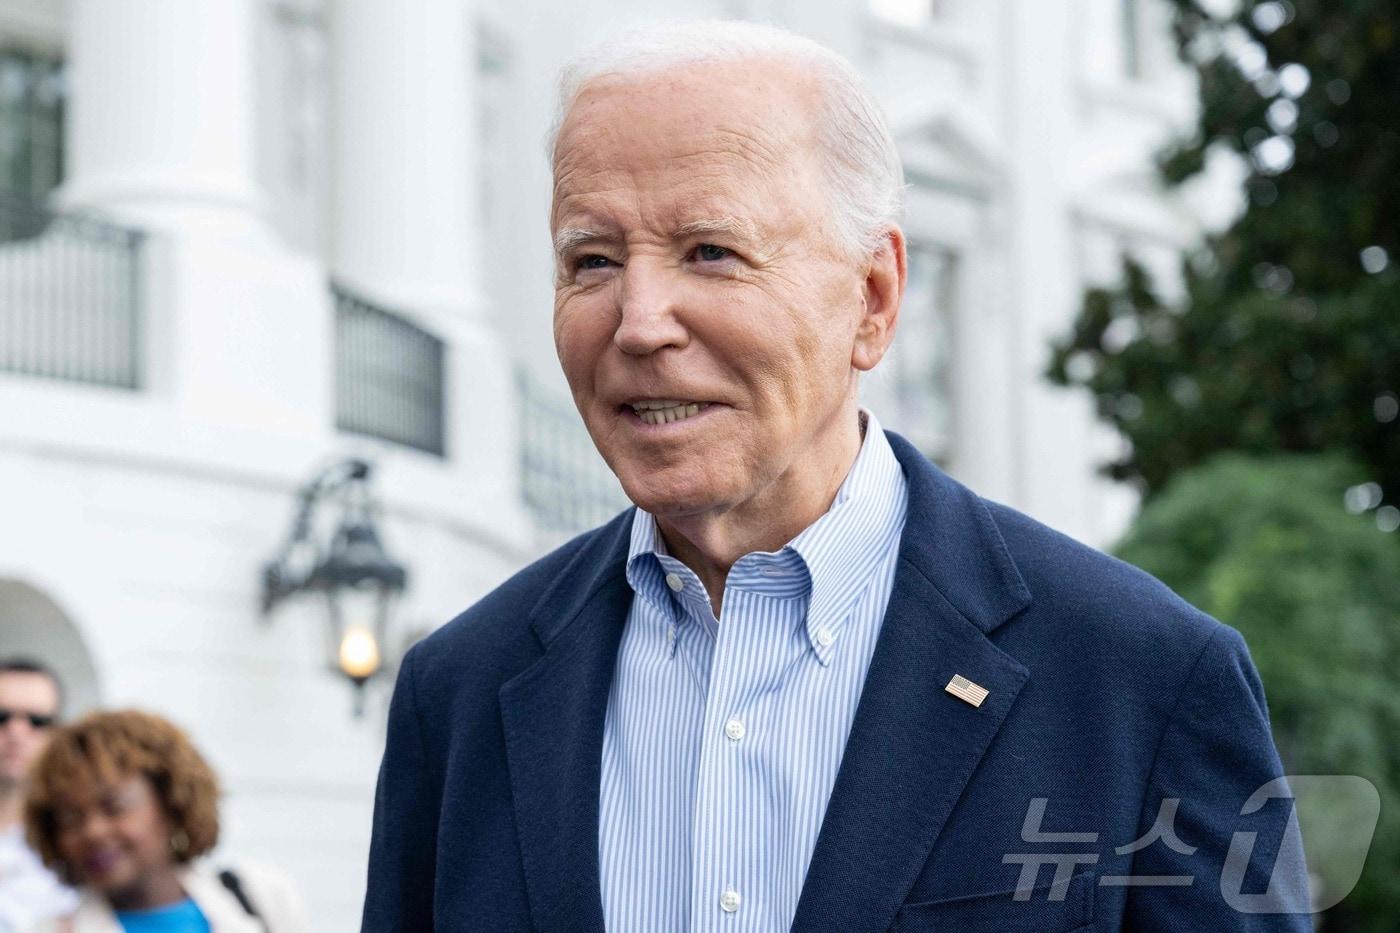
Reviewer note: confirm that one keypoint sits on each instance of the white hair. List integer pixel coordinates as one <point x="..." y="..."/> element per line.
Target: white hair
<point x="864" y="174"/>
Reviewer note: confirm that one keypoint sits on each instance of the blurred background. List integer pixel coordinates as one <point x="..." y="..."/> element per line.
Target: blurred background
<point x="278" y="392"/>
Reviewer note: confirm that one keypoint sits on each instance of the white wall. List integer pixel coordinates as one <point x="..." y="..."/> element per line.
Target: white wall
<point x="153" y="551"/>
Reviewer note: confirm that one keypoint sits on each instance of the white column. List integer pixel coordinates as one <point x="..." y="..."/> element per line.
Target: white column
<point x="404" y="152"/>
<point x="161" y="127"/>
<point x="1052" y="430"/>
<point x="406" y="224"/>
<point x="162" y="136"/>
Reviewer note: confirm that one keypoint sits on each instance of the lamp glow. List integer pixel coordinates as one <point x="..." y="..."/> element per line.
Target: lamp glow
<point x="359" y="653"/>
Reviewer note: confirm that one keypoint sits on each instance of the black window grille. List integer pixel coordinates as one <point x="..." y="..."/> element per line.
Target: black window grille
<point x="565" y="483"/>
<point x="389" y="375"/>
<point x="70" y="296"/>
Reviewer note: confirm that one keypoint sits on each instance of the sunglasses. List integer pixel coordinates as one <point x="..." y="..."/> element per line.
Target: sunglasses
<point x="36" y="720"/>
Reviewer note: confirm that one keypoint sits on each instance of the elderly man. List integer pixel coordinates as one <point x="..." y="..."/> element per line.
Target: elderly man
<point x="30" y="699"/>
<point x="809" y="682"/>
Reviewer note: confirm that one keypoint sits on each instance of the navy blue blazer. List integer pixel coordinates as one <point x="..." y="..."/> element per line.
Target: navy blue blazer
<point x="1106" y="694"/>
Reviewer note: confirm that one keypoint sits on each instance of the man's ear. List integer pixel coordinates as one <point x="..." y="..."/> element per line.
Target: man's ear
<point x="884" y="287"/>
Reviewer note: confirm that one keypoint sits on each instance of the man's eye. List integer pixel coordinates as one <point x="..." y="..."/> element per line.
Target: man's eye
<point x="591" y="261"/>
<point x="708" y="252"/>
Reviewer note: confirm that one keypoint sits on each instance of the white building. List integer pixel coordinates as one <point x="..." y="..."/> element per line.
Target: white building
<point x="276" y="233"/>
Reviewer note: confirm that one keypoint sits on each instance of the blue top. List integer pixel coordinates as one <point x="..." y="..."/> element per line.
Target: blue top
<point x="183" y="917"/>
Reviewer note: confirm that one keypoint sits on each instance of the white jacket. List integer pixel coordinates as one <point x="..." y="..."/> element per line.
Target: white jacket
<point x="272" y="895"/>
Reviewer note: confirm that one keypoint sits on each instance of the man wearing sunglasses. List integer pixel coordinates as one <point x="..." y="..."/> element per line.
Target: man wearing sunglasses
<point x="30" y="700"/>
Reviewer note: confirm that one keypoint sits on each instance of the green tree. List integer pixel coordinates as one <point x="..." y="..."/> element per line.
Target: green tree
<point x="1287" y="336"/>
<point x="1265" y="545"/>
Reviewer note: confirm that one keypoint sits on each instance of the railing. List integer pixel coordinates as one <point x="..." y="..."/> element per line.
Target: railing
<point x="566" y="485"/>
<point x="70" y="296"/>
<point x="388" y="375"/>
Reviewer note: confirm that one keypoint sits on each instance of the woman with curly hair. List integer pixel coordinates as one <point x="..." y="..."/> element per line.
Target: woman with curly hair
<point x="120" y="805"/>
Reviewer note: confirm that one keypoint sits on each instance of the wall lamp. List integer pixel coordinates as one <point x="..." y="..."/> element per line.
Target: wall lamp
<point x="334" y="552"/>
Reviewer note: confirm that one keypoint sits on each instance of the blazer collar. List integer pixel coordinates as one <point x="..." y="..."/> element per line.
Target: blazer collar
<point x="951" y="539"/>
<point x="553" y="714"/>
<point x="913" y="746"/>
<point x="955" y="583"/>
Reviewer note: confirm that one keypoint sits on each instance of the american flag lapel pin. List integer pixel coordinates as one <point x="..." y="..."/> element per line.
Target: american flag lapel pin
<point x="966" y="690"/>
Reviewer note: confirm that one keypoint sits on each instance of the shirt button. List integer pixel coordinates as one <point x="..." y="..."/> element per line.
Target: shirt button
<point x="729" y="901"/>
<point x="824" y="637"/>
<point x="671" y="635"/>
<point x="735" y="730"/>
<point x="674" y="581"/>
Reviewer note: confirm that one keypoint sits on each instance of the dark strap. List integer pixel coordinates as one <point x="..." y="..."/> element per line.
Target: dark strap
<point x="235" y="887"/>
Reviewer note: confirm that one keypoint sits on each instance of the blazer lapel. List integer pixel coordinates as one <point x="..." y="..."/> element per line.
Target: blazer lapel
<point x="553" y="714"/>
<point x="913" y="746"/>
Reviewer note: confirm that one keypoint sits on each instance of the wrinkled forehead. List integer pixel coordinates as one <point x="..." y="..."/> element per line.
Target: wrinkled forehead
<point x="756" y="112"/>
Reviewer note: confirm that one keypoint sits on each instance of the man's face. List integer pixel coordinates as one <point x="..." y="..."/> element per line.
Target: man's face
<point x="696" y="266"/>
<point x="24" y="695"/>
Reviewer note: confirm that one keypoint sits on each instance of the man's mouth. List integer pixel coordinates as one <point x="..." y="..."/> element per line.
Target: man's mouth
<point x="664" y="411"/>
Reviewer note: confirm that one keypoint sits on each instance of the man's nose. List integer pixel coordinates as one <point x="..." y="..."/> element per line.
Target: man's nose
<point x="648" y="310"/>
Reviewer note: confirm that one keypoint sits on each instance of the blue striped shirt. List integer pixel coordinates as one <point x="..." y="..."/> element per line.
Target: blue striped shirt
<point x="723" y="736"/>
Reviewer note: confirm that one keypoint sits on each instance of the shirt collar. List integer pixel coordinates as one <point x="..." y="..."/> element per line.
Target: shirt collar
<point x="831" y="562"/>
<point x="645" y="574"/>
<point x="844" y="548"/>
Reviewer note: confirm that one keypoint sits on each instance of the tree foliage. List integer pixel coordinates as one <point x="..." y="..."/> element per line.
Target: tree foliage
<point x="1286" y="338"/>
<point x="1265" y="545"/>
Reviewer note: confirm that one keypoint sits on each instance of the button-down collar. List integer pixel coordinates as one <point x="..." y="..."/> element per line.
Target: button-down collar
<point x="829" y="564"/>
